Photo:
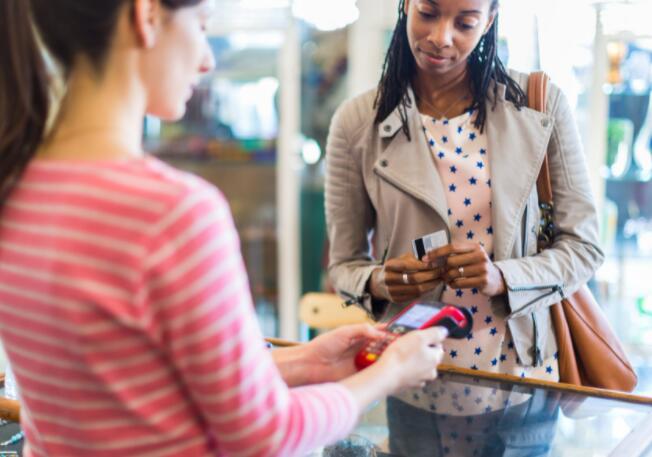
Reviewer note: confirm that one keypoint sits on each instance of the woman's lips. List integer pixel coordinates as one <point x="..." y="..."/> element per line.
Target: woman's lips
<point x="435" y="59"/>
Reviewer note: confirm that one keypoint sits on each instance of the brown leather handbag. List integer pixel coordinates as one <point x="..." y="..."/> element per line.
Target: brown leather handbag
<point x="590" y="353"/>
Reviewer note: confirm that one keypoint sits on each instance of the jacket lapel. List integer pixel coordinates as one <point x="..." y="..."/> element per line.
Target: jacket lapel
<point x="409" y="165"/>
<point x="517" y="143"/>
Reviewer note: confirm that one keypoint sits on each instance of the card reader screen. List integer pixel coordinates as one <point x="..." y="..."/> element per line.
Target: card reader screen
<point x="416" y="316"/>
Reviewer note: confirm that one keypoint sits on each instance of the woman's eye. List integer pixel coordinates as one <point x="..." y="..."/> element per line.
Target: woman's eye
<point x="466" y="26"/>
<point x="426" y="14"/>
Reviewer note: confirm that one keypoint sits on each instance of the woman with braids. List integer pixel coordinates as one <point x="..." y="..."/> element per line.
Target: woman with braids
<point x="124" y="303"/>
<point x="446" y="142"/>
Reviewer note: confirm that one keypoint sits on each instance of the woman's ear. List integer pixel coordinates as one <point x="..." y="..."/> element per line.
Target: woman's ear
<point x="492" y="18"/>
<point x="406" y="6"/>
<point x="146" y="19"/>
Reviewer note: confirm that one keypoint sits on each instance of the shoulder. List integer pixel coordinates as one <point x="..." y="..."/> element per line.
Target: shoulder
<point x="181" y="192"/>
<point x="356" y="113"/>
<point x="555" y="94"/>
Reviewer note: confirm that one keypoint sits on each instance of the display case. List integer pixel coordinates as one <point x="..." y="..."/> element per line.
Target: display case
<point x="536" y="419"/>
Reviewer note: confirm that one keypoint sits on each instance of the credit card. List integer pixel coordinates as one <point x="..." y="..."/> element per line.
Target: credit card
<point x="421" y="246"/>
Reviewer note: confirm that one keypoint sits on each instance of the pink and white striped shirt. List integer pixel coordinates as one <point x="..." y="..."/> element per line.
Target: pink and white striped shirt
<point x="127" y="318"/>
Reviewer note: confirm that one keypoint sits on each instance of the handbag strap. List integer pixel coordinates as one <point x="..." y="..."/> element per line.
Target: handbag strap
<point x="537" y="94"/>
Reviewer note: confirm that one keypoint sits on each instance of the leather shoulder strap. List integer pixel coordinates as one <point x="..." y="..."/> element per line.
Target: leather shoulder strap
<point x="537" y="94"/>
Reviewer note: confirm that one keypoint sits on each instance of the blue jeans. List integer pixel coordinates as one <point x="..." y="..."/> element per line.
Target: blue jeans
<point x="525" y="430"/>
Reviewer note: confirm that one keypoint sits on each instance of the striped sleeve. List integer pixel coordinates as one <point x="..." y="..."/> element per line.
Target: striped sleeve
<point x="198" y="291"/>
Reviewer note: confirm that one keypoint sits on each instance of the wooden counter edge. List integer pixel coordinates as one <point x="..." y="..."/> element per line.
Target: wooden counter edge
<point x="558" y="386"/>
<point x="9" y="410"/>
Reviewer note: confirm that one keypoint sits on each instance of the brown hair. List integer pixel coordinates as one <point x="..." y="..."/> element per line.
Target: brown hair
<point x="67" y="29"/>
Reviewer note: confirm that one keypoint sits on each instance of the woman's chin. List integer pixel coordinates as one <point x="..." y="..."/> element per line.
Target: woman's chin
<point x="171" y="114"/>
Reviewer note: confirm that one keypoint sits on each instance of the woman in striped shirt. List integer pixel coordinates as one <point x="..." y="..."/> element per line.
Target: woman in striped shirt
<point x="124" y="303"/>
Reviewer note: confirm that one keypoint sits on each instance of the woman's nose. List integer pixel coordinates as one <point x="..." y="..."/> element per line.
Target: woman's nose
<point x="208" y="63"/>
<point x="441" y="35"/>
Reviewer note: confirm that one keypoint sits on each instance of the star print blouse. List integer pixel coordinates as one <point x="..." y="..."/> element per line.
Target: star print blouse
<point x="460" y="154"/>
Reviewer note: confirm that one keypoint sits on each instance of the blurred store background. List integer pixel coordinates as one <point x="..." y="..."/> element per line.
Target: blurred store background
<point x="257" y="129"/>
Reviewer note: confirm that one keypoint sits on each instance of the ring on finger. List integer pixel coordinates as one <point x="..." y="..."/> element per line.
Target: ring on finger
<point x="406" y="280"/>
<point x="460" y="270"/>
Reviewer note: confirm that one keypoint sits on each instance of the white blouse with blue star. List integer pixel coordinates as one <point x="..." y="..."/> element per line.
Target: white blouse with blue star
<point x="462" y="158"/>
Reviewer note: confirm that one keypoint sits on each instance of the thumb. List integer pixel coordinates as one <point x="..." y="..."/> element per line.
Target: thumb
<point x="435" y="335"/>
<point x="362" y="332"/>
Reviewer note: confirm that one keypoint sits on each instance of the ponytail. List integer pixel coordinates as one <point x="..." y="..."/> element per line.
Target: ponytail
<point x="24" y="93"/>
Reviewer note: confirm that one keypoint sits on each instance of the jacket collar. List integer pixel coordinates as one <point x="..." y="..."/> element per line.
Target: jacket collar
<point x="517" y="143"/>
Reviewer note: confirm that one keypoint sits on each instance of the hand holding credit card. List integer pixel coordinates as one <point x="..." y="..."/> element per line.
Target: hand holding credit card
<point x="421" y="246"/>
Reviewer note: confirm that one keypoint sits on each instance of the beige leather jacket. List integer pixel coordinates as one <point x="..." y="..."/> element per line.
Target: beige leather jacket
<point x="382" y="186"/>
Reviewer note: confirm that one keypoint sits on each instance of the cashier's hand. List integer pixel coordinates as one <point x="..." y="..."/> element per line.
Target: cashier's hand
<point x="403" y="279"/>
<point x="468" y="266"/>
<point x="330" y="357"/>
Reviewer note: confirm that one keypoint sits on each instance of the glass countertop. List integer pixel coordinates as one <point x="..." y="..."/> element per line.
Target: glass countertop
<point x="471" y="414"/>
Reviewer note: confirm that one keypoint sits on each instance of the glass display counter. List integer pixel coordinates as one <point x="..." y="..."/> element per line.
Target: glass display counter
<point x="533" y="419"/>
<point x="528" y="418"/>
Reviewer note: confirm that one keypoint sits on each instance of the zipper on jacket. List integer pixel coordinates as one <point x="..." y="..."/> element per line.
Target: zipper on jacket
<point x="555" y="287"/>
<point x="537" y="359"/>
<point x="525" y="232"/>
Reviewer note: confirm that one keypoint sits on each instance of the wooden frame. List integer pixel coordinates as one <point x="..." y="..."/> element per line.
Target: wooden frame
<point x="549" y="385"/>
<point x="529" y="382"/>
<point x="10" y="409"/>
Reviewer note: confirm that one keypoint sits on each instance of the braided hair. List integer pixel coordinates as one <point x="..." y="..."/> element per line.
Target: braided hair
<point x="484" y="66"/>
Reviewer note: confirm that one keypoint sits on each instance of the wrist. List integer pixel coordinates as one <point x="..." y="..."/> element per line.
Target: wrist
<point x="291" y="363"/>
<point x="373" y="286"/>
<point x="501" y="285"/>
<point x="389" y="369"/>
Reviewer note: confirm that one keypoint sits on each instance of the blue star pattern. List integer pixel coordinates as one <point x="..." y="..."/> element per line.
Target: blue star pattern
<point x="463" y="162"/>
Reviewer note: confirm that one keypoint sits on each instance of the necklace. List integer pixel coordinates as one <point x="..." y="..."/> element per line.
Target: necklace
<point x="448" y="110"/>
